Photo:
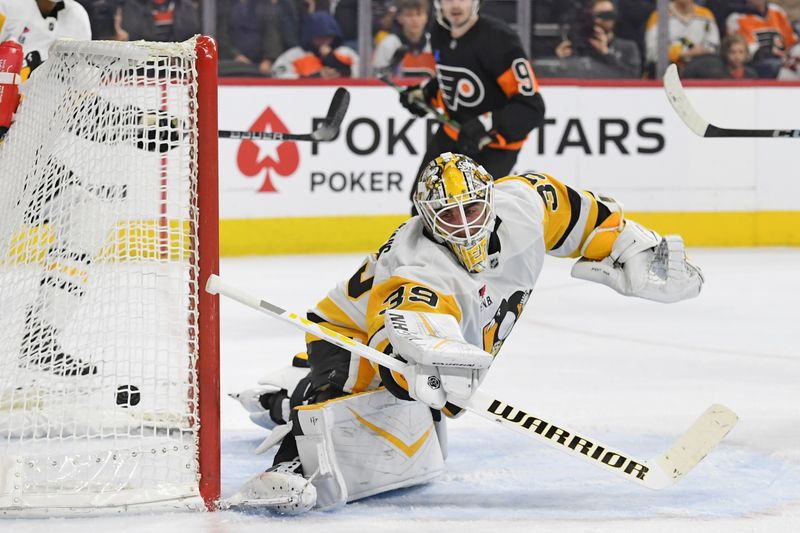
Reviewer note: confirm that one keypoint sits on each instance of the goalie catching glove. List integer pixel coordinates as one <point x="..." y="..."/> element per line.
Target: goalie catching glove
<point x="644" y="264"/>
<point x="442" y="366"/>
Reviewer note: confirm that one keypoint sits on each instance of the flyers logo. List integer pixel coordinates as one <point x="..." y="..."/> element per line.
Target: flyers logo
<point x="460" y="87"/>
<point x="282" y="159"/>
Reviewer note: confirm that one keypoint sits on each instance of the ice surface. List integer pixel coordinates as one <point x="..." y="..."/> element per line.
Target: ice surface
<point x="632" y="373"/>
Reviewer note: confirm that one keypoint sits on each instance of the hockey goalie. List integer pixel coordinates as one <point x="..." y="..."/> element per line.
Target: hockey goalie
<point x="442" y="294"/>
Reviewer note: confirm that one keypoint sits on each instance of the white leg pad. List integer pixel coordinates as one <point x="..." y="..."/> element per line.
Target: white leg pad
<point x="365" y="444"/>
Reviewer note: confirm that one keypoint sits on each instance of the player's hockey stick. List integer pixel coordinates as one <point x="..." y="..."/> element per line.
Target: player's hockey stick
<point x="707" y="431"/>
<point x="440" y="117"/>
<point x="327" y="131"/>
<point x="690" y="116"/>
<point x="435" y="113"/>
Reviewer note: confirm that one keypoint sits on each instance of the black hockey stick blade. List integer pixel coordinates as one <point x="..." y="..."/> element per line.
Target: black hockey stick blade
<point x="690" y="116"/>
<point x="326" y="132"/>
<point x="333" y="120"/>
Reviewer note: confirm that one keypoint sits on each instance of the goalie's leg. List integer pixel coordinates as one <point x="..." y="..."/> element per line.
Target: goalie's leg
<point x="397" y="443"/>
<point x="345" y="449"/>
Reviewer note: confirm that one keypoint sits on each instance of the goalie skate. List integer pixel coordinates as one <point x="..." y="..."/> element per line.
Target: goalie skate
<point x="281" y="489"/>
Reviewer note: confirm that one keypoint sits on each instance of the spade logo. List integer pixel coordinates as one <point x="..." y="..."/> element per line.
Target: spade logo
<point x="265" y="158"/>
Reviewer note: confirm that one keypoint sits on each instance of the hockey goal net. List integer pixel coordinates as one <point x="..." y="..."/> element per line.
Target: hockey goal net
<point x="108" y="229"/>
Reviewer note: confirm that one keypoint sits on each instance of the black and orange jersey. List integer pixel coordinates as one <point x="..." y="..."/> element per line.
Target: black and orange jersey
<point x="772" y="29"/>
<point x="298" y="62"/>
<point x="486" y="71"/>
<point x="536" y="215"/>
<point x="415" y="59"/>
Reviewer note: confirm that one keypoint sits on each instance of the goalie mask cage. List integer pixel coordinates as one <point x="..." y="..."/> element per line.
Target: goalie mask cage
<point x="109" y="375"/>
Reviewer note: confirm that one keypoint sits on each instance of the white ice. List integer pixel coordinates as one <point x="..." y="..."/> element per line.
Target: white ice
<point x="632" y="373"/>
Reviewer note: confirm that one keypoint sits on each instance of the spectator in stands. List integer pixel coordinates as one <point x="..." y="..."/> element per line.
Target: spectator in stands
<point x="255" y="33"/>
<point x="320" y="54"/>
<point x="105" y="18"/>
<point x="160" y="20"/>
<point x="721" y="9"/>
<point x="692" y="31"/>
<point x="631" y="21"/>
<point x="731" y="63"/>
<point x="347" y="18"/>
<point x="549" y="20"/>
<point x="735" y="56"/>
<point x="769" y="36"/>
<point x="383" y="20"/>
<point x="407" y="53"/>
<point x="346" y="14"/>
<point x="311" y="6"/>
<point x="593" y="37"/>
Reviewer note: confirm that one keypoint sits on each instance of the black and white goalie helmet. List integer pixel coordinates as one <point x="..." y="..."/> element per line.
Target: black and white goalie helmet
<point x="455" y="198"/>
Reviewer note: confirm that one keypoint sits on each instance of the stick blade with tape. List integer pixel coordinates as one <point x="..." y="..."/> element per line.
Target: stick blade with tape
<point x="333" y="120"/>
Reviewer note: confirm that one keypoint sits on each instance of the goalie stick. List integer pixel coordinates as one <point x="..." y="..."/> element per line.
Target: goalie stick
<point x="690" y="448"/>
<point x="327" y="131"/>
<point x="690" y="116"/>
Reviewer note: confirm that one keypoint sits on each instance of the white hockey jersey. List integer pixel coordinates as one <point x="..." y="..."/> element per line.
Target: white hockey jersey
<point x="22" y="21"/>
<point x="536" y="215"/>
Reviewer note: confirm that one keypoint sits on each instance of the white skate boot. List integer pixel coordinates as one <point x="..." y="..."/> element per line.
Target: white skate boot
<point x="281" y="489"/>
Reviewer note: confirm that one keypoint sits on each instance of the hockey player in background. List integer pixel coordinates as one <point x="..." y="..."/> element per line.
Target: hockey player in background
<point x="481" y="70"/>
<point x="464" y="267"/>
<point x="54" y="197"/>
<point x="36" y="24"/>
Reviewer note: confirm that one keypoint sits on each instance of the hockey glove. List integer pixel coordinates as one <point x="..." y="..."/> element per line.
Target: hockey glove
<point x="413" y="99"/>
<point x="442" y="366"/>
<point x="472" y="137"/>
<point x="644" y="264"/>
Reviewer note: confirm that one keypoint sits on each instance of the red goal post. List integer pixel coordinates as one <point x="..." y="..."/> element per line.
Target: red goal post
<point x="208" y="197"/>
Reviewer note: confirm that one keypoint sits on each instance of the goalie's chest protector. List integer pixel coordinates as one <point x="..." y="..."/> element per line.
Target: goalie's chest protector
<point x="491" y="301"/>
<point x="516" y="254"/>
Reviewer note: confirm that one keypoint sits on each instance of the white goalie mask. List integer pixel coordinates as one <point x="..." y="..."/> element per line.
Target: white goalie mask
<point x="440" y="18"/>
<point x="455" y="198"/>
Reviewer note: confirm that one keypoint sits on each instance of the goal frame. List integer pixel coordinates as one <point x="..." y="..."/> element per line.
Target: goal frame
<point x="208" y="366"/>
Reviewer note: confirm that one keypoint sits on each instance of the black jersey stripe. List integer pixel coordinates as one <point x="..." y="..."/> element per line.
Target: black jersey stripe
<point x="315" y="318"/>
<point x="603" y="212"/>
<point x="574" y="213"/>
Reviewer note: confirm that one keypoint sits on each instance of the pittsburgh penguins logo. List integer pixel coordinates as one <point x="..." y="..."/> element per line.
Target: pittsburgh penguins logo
<point x="507" y="314"/>
<point x="460" y="87"/>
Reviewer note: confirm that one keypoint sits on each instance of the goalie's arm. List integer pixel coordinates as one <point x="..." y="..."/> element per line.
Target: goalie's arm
<point x="400" y="294"/>
<point x="616" y="252"/>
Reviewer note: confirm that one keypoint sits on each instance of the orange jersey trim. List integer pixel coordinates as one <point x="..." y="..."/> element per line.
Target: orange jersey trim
<point x="419" y="63"/>
<point x="347" y="60"/>
<point x="776" y="21"/>
<point x="308" y="65"/>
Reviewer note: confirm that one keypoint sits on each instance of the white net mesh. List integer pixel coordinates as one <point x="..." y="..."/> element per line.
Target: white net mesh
<point x="98" y="270"/>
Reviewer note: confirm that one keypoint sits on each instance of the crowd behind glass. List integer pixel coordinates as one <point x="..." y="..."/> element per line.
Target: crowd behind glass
<point x="601" y="39"/>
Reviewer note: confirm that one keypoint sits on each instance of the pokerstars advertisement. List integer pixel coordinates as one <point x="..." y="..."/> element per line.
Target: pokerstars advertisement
<point x="623" y="141"/>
